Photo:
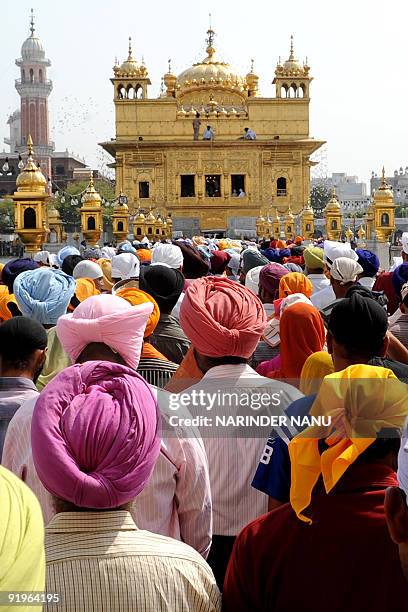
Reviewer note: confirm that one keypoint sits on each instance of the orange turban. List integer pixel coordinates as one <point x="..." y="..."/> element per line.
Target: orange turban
<point x="84" y="288"/>
<point x="281" y="244"/>
<point x="144" y="255"/>
<point x="5" y="298"/>
<point x="295" y="282"/>
<point x="298" y="240"/>
<point x="106" y="265"/>
<point x="137" y="296"/>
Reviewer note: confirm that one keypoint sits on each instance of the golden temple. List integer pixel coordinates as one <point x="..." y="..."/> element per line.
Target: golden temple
<point x="255" y="162"/>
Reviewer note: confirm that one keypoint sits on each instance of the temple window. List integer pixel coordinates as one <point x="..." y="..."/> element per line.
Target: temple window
<point x="149" y="230"/>
<point x="213" y="185"/>
<point x="237" y="184"/>
<point x="23" y="76"/>
<point x="308" y="227"/>
<point x="187" y="185"/>
<point x="144" y="189"/>
<point x="91" y="223"/>
<point x="40" y="76"/>
<point x="138" y="231"/>
<point x="31" y="75"/>
<point x="30" y="220"/>
<point x="120" y="226"/>
<point x="121" y="92"/>
<point x="139" y="92"/>
<point x="385" y="219"/>
<point x="334" y="224"/>
<point x="281" y="187"/>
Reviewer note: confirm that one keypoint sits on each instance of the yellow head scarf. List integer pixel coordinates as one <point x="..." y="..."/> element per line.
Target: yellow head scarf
<point x="295" y="282"/>
<point x="1" y="268"/>
<point x="106" y="265"/>
<point x="360" y="401"/>
<point x="316" y="367"/>
<point x="137" y="296"/>
<point x="144" y="255"/>
<point x="84" y="288"/>
<point x="22" y="558"/>
<point x="5" y="298"/>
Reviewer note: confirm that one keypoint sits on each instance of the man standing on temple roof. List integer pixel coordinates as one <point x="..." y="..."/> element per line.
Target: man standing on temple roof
<point x="208" y="133"/>
<point x="249" y="134"/>
<point x="196" y="126"/>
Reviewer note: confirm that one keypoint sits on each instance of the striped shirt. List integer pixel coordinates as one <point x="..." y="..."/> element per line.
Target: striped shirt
<point x="233" y="460"/>
<point x="400" y="329"/>
<point x="100" y="561"/>
<point x="177" y="499"/>
<point x="156" y="372"/>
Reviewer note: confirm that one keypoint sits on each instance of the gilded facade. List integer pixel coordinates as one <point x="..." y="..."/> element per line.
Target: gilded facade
<point x="225" y="183"/>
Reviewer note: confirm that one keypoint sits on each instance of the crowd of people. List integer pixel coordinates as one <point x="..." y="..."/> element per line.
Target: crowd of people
<point x="117" y="490"/>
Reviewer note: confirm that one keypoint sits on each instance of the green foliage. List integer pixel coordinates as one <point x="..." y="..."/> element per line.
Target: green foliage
<point x="6" y="216"/>
<point x="319" y="196"/>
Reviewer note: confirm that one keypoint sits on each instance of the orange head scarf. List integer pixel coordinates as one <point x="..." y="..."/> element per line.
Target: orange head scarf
<point x="144" y="255"/>
<point x="137" y="296"/>
<point x="295" y="282"/>
<point x="6" y="298"/>
<point x="84" y="288"/>
<point x="106" y="265"/>
<point x="316" y="367"/>
<point x="302" y="333"/>
<point x="281" y="244"/>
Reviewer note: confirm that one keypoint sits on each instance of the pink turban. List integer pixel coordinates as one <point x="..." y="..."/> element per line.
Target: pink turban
<point x="222" y="318"/>
<point x="108" y="319"/>
<point x="95" y="436"/>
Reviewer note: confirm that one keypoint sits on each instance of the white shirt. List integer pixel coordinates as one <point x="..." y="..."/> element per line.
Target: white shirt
<point x="250" y="135"/>
<point x="233" y="461"/>
<point x="176" y="310"/>
<point x="323" y="298"/>
<point x="242" y="194"/>
<point x="367" y="281"/>
<point x="319" y="281"/>
<point x="208" y="134"/>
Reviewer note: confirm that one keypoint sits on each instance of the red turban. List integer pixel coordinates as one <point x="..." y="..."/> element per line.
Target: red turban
<point x="222" y="318"/>
<point x="219" y="261"/>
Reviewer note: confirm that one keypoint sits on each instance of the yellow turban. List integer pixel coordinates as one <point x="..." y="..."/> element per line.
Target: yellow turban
<point x="223" y="244"/>
<point x="84" y="288"/>
<point x="6" y="298"/>
<point x="316" y="367"/>
<point x="137" y="296"/>
<point x="360" y="401"/>
<point x="1" y="268"/>
<point x="295" y="282"/>
<point x="106" y="265"/>
<point x="22" y="558"/>
<point x="313" y="257"/>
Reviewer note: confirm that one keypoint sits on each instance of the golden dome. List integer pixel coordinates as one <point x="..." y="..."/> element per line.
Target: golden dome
<point x="292" y="66"/>
<point x="140" y="218"/>
<point x="53" y="213"/>
<point x="91" y="197"/>
<point x="150" y="217"/>
<point x="333" y="205"/>
<point x="130" y="66"/>
<point x="384" y="192"/>
<point x="31" y="178"/>
<point x="210" y="72"/>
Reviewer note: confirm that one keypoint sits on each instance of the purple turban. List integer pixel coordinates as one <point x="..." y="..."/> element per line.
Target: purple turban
<point x="270" y="276"/>
<point x="368" y="261"/>
<point x="13" y="268"/>
<point x="272" y="254"/>
<point x="399" y="278"/>
<point x="95" y="435"/>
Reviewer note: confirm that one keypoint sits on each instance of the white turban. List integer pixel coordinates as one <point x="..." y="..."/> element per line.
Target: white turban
<point x="108" y="252"/>
<point x="403" y="461"/>
<point x="404" y="241"/>
<point x="169" y="254"/>
<point x="87" y="269"/>
<point x="125" y="265"/>
<point x="333" y="250"/>
<point x="252" y="279"/>
<point x="42" y="257"/>
<point x="234" y="262"/>
<point x="345" y="270"/>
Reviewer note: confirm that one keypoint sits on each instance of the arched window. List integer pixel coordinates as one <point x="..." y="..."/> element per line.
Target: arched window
<point x="139" y="231"/>
<point x="334" y="224"/>
<point x="40" y="76"/>
<point x="157" y="231"/>
<point x="308" y="227"/>
<point x="120" y="226"/>
<point x="91" y="223"/>
<point x="289" y="229"/>
<point x="121" y="92"/>
<point x="292" y="91"/>
<point x="30" y="218"/>
<point x="139" y="92"/>
<point x="284" y="91"/>
<point x="31" y="75"/>
<point x="23" y="76"/>
<point x="130" y="93"/>
<point x="302" y="90"/>
<point x="281" y="186"/>
<point x="149" y="230"/>
<point x="385" y="219"/>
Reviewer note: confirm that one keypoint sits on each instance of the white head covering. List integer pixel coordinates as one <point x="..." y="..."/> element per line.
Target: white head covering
<point x="108" y="252"/>
<point x="144" y="240"/>
<point x="169" y="254"/>
<point x="293" y="299"/>
<point x="404" y="242"/>
<point x="252" y="279"/>
<point x="53" y="259"/>
<point x="234" y="262"/>
<point x="125" y="265"/>
<point x="345" y="270"/>
<point x="333" y="250"/>
<point x="87" y="269"/>
<point x="404" y="291"/>
<point x="43" y="257"/>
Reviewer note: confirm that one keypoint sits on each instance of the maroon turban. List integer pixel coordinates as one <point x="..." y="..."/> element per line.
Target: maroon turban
<point x="270" y="276"/>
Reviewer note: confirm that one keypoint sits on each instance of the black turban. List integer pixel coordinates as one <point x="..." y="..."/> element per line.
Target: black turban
<point x="194" y="265"/>
<point x="13" y="268"/>
<point x="69" y="263"/>
<point x="163" y="283"/>
<point x="19" y="338"/>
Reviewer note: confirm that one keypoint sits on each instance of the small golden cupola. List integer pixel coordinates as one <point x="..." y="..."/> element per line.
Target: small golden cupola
<point x="384" y="210"/>
<point x="131" y="79"/>
<point x="120" y="218"/>
<point x="307" y="221"/>
<point x="292" y="78"/>
<point x="91" y="214"/>
<point x="252" y="81"/>
<point x="334" y="218"/>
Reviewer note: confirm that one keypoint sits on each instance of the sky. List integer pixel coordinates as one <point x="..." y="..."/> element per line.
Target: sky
<point x="356" y="50"/>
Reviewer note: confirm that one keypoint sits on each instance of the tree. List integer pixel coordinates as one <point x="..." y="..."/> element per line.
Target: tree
<point x="6" y="216"/>
<point x="319" y="196"/>
<point x="70" y="215"/>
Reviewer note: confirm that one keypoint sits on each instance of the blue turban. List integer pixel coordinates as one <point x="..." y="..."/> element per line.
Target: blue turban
<point x="13" y="268"/>
<point x="44" y="294"/>
<point x="292" y="267"/>
<point x="399" y="278"/>
<point x="284" y="253"/>
<point x="252" y="258"/>
<point x="272" y="254"/>
<point x="368" y="261"/>
<point x="125" y="247"/>
<point x="65" y="251"/>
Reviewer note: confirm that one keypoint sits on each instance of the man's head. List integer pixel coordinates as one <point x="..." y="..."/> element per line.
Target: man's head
<point x="399" y="278"/>
<point x="23" y="348"/>
<point x="65" y="251"/>
<point x="69" y="263"/>
<point x="404" y="251"/>
<point x="222" y="319"/>
<point x="269" y="278"/>
<point x="99" y="424"/>
<point x="246" y="129"/>
<point x="125" y="266"/>
<point x="168" y="254"/>
<point x="89" y="269"/>
<point x="357" y="330"/>
<point x="164" y="284"/>
<point x="343" y="274"/>
<point x="369" y="262"/>
<point x="13" y="268"/>
<point x="313" y="257"/>
<point x="108" y="320"/>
